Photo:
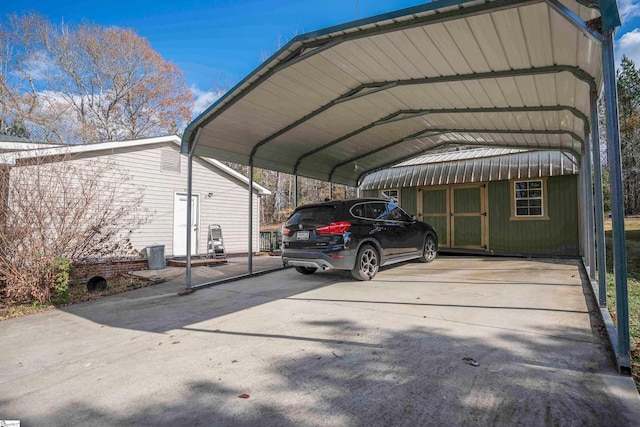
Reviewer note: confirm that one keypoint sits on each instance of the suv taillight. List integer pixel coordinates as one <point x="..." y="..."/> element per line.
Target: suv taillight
<point x="334" y="228"/>
<point x="285" y="231"/>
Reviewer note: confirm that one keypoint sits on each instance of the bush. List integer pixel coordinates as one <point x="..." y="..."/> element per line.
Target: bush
<point x="56" y="212"/>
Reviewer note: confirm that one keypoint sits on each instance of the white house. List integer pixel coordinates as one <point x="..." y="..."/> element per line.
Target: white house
<point x="220" y="194"/>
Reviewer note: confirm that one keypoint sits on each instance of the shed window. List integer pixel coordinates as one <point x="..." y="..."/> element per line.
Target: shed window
<point x="529" y="199"/>
<point x="391" y="195"/>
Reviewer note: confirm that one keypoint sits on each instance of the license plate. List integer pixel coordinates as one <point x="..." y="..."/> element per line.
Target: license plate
<point x="302" y="235"/>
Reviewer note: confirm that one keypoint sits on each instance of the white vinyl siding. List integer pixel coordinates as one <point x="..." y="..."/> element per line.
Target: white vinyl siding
<point x="227" y="206"/>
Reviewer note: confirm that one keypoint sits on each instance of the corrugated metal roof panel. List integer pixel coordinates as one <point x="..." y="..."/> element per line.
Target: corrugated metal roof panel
<point x="470" y="166"/>
<point x="315" y="107"/>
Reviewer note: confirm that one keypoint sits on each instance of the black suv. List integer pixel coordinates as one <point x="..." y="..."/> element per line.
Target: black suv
<point x="358" y="235"/>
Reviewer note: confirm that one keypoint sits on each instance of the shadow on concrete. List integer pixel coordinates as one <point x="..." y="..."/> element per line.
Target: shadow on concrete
<point x="332" y="362"/>
<point x="412" y="377"/>
<point x="151" y="310"/>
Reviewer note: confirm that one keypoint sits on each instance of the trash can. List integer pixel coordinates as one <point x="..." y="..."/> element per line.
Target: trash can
<point x="155" y="257"/>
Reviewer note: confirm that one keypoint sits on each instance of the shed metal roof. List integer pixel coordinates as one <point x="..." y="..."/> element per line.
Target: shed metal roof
<point x="469" y="166"/>
<point x="339" y="103"/>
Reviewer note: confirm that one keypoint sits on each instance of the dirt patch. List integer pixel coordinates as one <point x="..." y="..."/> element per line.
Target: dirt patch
<point x="77" y="293"/>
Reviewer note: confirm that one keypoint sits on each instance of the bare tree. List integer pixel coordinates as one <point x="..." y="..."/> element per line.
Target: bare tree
<point x="86" y="83"/>
<point x="55" y="209"/>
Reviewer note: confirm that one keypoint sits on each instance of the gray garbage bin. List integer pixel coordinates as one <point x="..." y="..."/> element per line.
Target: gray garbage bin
<point x="155" y="257"/>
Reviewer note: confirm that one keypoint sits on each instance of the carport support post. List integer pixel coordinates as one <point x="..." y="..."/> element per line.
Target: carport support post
<point x="599" y="207"/>
<point x="583" y="221"/>
<point x="591" y="247"/>
<point x="295" y="192"/>
<point x="250" y="262"/>
<point x="189" y="225"/>
<point x="617" y="202"/>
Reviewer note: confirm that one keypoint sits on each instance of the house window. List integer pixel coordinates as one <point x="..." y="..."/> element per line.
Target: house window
<point x="529" y="199"/>
<point x="170" y="160"/>
<point x="391" y="195"/>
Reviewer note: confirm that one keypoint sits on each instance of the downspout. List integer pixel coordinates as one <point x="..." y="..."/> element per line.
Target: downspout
<point x="599" y="208"/>
<point x="617" y="203"/>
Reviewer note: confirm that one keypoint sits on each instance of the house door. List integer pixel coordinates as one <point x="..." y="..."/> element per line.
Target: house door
<point x="458" y="214"/>
<point x="180" y="224"/>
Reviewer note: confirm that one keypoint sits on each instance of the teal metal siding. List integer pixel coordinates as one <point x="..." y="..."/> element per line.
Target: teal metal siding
<point x="371" y="193"/>
<point x="556" y="236"/>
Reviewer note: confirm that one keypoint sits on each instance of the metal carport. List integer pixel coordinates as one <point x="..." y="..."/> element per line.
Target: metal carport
<point x="342" y="102"/>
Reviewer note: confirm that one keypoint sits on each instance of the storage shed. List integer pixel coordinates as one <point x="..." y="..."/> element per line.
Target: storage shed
<point x="500" y="201"/>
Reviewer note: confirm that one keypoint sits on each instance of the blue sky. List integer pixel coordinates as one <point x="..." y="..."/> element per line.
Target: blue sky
<point x="218" y="42"/>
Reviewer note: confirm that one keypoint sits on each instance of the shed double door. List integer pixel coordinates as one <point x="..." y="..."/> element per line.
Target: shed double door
<point x="459" y="215"/>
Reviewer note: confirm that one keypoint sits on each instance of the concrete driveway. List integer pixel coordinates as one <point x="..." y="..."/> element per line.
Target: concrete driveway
<point x="284" y="349"/>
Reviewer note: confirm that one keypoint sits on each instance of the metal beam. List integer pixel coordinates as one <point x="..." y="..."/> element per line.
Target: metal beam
<point x="418" y="21"/>
<point x="617" y="204"/>
<point x="574" y="20"/>
<point x="591" y="246"/>
<point x="189" y="225"/>
<point x="250" y="245"/>
<point x="582" y="230"/>
<point x="601" y="261"/>
<point x="384" y="147"/>
<point x="410" y="114"/>
<point x="191" y="152"/>
<point x="323" y="40"/>
<point x="376" y="87"/>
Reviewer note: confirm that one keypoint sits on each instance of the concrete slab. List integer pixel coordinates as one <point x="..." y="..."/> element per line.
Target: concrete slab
<point x="233" y="267"/>
<point x="326" y="350"/>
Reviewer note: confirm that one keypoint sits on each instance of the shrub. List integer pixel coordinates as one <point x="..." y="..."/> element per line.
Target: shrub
<point x="55" y="212"/>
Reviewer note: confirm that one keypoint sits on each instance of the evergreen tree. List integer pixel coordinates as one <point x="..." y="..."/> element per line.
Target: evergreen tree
<point x="628" y="84"/>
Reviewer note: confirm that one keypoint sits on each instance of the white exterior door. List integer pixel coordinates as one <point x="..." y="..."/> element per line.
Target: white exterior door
<point x="180" y="224"/>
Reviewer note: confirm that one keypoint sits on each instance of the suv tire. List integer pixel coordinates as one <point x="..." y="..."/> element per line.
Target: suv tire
<point x="429" y="249"/>
<point x="306" y="270"/>
<point x="367" y="263"/>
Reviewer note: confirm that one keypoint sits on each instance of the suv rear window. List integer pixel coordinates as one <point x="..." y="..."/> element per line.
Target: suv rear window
<point x="313" y="215"/>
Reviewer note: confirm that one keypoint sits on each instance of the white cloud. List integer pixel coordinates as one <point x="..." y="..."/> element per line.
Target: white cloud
<point x="628" y="9"/>
<point x="203" y="99"/>
<point x="629" y="44"/>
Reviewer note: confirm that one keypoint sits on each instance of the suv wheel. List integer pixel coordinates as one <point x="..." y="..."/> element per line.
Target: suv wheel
<point x="306" y="270"/>
<point x="366" y="263"/>
<point x="429" y="250"/>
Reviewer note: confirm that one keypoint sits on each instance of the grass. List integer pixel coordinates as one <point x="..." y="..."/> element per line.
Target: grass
<point x="632" y="233"/>
<point x="77" y="293"/>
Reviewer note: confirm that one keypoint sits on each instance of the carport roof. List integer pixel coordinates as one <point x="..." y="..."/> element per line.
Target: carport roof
<point x="339" y="103"/>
